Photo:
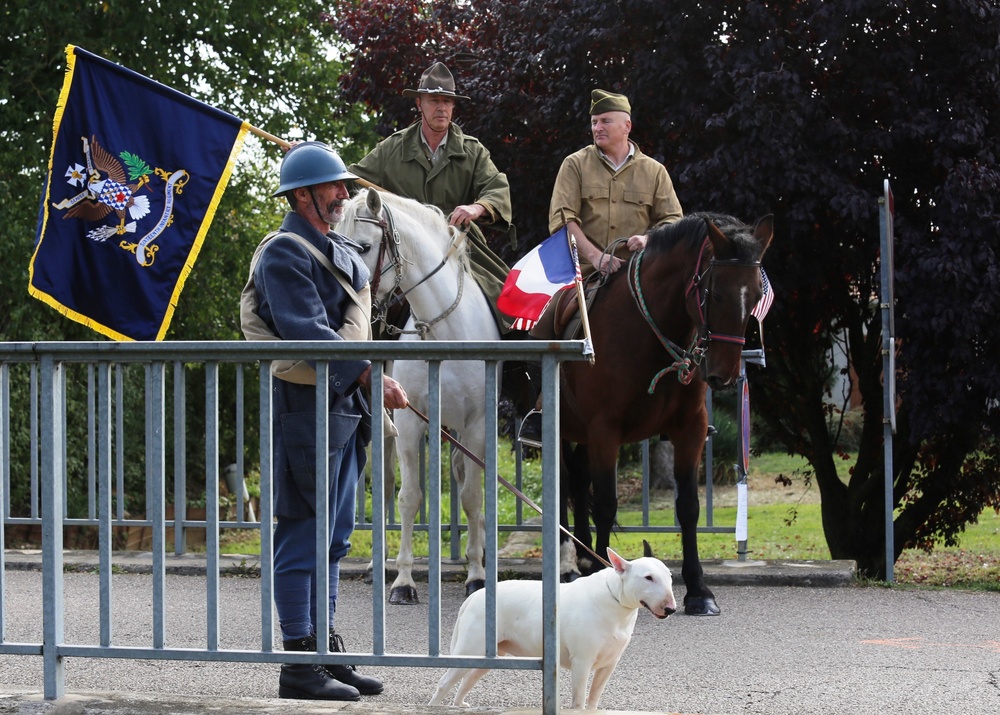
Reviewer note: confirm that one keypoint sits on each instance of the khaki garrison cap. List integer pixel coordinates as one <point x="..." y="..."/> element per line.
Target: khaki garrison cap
<point x="602" y="101"/>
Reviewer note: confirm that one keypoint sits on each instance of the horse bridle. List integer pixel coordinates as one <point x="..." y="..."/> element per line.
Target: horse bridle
<point x="390" y="243"/>
<point x="687" y="361"/>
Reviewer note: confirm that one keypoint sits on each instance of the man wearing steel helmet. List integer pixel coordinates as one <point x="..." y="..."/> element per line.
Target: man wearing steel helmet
<point x="434" y="162"/>
<point x="304" y="285"/>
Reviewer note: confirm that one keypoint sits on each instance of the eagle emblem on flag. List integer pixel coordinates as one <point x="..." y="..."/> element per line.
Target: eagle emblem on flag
<point x="108" y="184"/>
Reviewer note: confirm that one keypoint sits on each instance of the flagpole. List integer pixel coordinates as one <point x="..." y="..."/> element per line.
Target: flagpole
<point x="270" y="137"/>
<point x="588" y="345"/>
<point x="286" y="145"/>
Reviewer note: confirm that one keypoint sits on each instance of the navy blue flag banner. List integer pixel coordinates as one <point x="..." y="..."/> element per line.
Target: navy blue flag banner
<point x="135" y="176"/>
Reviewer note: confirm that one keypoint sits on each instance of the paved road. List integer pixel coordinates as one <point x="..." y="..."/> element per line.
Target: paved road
<point x="774" y="651"/>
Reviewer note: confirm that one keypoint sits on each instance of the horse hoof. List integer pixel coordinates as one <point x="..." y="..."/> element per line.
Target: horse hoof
<point x="701" y="607"/>
<point x="403" y="596"/>
<point x="569" y="577"/>
<point x="475" y="585"/>
<point x="369" y="579"/>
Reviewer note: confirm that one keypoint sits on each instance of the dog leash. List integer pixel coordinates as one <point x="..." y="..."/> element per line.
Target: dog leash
<point x="510" y="487"/>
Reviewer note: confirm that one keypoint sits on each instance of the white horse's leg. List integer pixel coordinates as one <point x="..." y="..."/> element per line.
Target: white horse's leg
<point x="388" y="485"/>
<point x="388" y="496"/>
<point x="471" y="489"/>
<point x="466" y="410"/>
<point x="411" y="432"/>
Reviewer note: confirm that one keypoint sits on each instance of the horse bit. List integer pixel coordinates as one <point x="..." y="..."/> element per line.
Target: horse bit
<point x="390" y="243"/>
<point x="686" y="361"/>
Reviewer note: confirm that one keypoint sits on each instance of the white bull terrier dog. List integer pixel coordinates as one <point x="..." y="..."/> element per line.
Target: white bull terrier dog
<point x="597" y="614"/>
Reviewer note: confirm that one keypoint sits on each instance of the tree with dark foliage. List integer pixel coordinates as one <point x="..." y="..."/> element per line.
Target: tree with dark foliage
<point x="803" y="109"/>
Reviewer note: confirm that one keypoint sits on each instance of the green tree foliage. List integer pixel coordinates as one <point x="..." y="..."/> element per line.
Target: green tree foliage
<point x="801" y="108"/>
<point x="266" y="63"/>
<point x="272" y="64"/>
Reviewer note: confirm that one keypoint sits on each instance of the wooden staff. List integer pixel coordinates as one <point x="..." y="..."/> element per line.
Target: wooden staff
<point x="581" y="299"/>
<point x="286" y="145"/>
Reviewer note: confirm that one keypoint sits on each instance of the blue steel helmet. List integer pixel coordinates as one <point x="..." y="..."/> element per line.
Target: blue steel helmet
<point x="311" y="163"/>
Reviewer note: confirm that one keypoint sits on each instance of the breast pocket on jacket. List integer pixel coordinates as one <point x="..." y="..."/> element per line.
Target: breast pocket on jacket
<point x="638" y="199"/>
<point x="595" y="194"/>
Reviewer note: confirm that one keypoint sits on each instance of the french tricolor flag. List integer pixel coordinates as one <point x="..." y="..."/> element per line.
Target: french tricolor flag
<point x="535" y="278"/>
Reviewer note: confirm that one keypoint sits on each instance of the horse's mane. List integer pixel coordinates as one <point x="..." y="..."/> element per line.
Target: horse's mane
<point x="411" y="218"/>
<point x="691" y="231"/>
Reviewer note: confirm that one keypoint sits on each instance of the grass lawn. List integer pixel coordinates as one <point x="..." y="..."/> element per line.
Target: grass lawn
<point x="783" y="520"/>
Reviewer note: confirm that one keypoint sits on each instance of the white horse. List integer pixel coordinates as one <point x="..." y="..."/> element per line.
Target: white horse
<point x="426" y="259"/>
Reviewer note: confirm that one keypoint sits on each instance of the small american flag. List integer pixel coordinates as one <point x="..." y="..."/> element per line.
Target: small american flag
<point x="764" y="304"/>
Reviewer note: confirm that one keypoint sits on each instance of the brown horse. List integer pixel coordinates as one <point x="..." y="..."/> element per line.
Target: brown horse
<point x="664" y="327"/>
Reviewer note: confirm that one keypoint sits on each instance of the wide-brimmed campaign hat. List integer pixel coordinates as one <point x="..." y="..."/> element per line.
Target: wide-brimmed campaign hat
<point x="436" y="80"/>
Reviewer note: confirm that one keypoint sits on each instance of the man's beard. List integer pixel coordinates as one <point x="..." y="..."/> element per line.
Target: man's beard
<point x="334" y="212"/>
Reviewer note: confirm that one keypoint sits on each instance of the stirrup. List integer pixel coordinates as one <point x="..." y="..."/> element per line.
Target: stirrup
<point x="530" y="431"/>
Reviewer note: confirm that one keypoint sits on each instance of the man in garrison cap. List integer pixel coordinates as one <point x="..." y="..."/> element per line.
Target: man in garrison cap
<point x="610" y="189"/>
<point x="603" y="192"/>
<point x="434" y="162"/>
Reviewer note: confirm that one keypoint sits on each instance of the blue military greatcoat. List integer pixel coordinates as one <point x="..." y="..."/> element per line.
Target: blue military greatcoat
<point x="299" y="299"/>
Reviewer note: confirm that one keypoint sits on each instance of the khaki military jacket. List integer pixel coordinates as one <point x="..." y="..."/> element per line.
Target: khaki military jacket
<point x="609" y="204"/>
<point x="465" y="174"/>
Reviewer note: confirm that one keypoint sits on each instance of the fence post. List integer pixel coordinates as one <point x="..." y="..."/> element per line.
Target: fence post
<point x="887" y="209"/>
<point x="104" y="487"/>
<point x="180" y="459"/>
<point x="53" y="501"/>
<point x="156" y="470"/>
<point x="4" y="489"/>
<point x="550" y="535"/>
<point x="266" y="511"/>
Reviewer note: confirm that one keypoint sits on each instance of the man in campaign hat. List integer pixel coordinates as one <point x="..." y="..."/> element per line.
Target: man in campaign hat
<point x="433" y="161"/>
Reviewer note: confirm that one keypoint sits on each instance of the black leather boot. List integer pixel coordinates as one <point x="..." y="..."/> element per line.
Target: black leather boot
<point x="365" y="684"/>
<point x="310" y="681"/>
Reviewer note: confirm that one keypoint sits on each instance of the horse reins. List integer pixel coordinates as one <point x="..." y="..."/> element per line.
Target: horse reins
<point x="686" y="361"/>
<point x="510" y="487"/>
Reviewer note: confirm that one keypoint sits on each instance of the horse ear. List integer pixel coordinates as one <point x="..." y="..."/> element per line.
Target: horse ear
<point x="647" y="550"/>
<point x="763" y="231"/>
<point x="717" y="237"/>
<point x="617" y="562"/>
<point x="374" y="201"/>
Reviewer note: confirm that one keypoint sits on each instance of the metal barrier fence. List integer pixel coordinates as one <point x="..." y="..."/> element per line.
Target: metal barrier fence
<point x="52" y="376"/>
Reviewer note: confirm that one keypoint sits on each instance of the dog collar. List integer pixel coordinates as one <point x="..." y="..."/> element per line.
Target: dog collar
<point x="616" y="599"/>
